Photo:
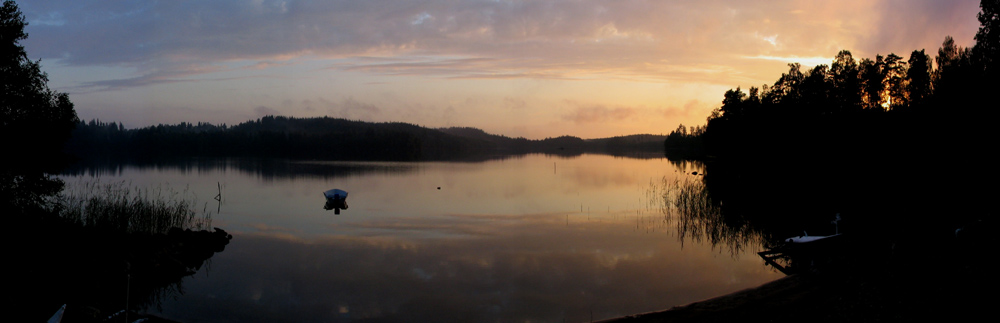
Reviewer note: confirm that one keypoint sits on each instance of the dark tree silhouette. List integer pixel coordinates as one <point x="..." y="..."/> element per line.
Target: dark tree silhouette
<point x="873" y="77"/>
<point x="918" y="89"/>
<point x="684" y="143"/>
<point x="816" y="90"/>
<point x="35" y="121"/>
<point x="901" y="150"/>
<point x="953" y="68"/>
<point x="786" y="89"/>
<point x="889" y="120"/>
<point x="846" y="82"/>
<point x="895" y="76"/>
<point x="987" y="48"/>
<point x="732" y="103"/>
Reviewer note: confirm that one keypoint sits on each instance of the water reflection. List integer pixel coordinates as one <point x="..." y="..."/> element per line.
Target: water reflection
<point x="537" y="238"/>
<point x="266" y="169"/>
<point x="685" y="202"/>
<point x="489" y="268"/>
<point x="739" y="216"/>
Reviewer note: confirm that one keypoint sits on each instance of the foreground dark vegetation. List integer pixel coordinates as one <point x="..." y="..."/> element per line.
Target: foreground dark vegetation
<point x="102" y="273"/>
<point x="106" y="251"/>
<point x="859" y="275"/>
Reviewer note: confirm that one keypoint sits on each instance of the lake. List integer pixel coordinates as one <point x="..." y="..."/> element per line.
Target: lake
<point x="534" y="238"/>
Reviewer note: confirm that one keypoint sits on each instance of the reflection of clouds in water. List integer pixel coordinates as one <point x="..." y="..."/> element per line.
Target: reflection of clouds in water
<point x="573" y="239"/>
<point x="602" y="178"/>
<point x="512" y="268"/>
<point x="603" y="172"/>
<point x="467" y="225"/>
<point x="515" y="191"/>
<point x="277" y="232"/>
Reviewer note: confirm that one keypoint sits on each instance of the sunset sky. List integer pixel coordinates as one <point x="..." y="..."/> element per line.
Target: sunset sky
<point x="520" y="68"/>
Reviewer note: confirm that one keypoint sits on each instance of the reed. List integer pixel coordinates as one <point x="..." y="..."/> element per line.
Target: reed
<point x="123" y="207"/>
<point x="699" y="218"/>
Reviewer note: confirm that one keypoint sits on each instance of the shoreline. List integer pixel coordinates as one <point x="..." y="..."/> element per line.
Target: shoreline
<point x="742" y="304"/>
<point x="947" y="283"/>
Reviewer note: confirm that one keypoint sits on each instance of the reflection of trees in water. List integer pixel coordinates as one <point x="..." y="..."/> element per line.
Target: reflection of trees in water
<point x="687" y="166"/>
<point x="275" y="168"/>
<point x="265" y="168"/>
<point x="699" y="218"/>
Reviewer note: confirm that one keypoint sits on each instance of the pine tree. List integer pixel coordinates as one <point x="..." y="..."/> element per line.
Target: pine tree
<point x="35" y="121"/>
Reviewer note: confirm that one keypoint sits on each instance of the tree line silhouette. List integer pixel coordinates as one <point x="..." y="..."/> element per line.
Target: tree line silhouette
<point x="270" y="136"/>
<point x="901" y="147"/>
<point x="860" y="102"/>
<point x="945" y="102"/>
<point x="325" y="138"/>
<point x="857" y="102"/>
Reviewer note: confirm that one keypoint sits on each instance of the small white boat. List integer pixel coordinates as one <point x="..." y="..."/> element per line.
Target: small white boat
<point x="804" y="239"/>
<point x="336" y="199"/>
<point x="335" y="194"/>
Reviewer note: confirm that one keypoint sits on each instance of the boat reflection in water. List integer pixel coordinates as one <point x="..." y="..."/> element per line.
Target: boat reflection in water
<point x="336" y="199"/>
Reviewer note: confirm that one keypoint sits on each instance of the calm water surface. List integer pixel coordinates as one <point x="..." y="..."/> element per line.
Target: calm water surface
<point x="536" y="238"/>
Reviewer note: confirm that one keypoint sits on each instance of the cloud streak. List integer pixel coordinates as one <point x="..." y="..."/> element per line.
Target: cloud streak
<point x="479" y="39"/>
<point x="583" y="114"/>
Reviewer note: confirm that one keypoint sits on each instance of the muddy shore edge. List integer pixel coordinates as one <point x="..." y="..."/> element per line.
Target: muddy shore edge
<point x="852" y="296"/>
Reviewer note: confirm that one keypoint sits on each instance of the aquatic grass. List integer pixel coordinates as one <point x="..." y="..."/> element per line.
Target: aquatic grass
<point x="699" y="218"/>
<point x="124" y="207"/>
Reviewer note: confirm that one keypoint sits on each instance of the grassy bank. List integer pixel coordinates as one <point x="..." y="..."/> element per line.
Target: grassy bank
<point x="106" y="248"/>
<point x="123" y="207"/>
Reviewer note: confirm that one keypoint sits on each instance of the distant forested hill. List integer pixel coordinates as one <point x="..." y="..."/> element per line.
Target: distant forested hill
<point x="565" y="145"/>
<point x="327" y="138"/>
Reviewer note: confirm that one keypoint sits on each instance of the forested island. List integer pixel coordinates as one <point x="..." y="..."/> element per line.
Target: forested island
<point x="329" y="139"/>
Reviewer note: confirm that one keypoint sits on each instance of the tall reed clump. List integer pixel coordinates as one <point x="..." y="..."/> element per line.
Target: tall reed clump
<point x="122" y="207"/>
<point x="699" y="218"/>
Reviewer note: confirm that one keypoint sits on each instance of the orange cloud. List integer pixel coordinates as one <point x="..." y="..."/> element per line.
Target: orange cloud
<point x="598" y="113"/>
